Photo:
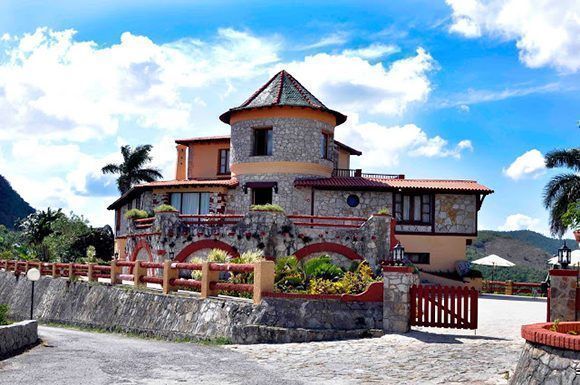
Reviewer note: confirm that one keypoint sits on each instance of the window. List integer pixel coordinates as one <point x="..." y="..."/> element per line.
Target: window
<point x="262" y="141"/>
<point x="324" y="146"/>
<point x="224" y="161"/>
<point x="262" y="196"/>
<point x="419" y="258"/>
<point x="353" y="200"/>
<point x="191" y="203"/>
<point x="414" y="209"/>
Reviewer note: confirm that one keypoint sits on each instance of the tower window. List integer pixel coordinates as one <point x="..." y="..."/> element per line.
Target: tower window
<point x="324" y="146"/>
<point x="262" y="141"/>
<point x="262" y="196"/>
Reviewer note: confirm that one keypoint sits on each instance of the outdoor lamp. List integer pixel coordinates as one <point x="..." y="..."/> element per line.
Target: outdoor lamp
<point x="171" y="255"/>
<point x="564" y="256"/>
<point x="398" y="253"/>
<point x="116" y="255"/>
<point x="33" y="275"/>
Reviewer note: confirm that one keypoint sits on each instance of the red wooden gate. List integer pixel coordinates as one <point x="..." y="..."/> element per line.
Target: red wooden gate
<point x="444" y="307"/>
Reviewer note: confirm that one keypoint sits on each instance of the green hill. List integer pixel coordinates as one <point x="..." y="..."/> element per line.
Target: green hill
<point x="527" y="249"/>
<point x="12" y="206"/>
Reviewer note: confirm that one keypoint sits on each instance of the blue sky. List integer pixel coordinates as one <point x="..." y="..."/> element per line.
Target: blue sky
<point x="459" y="89"/>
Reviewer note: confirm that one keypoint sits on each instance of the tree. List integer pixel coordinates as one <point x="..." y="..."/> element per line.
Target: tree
<point x="36" y="227"/>
<point x="131" y="171"/>
<point x="563" y="189"/>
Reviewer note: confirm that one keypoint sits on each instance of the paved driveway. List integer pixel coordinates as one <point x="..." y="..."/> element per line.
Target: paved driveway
<point x="424" y="356"/>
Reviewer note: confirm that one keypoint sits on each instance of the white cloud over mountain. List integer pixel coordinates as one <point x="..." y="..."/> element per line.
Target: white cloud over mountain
<point x="546" y="31"/>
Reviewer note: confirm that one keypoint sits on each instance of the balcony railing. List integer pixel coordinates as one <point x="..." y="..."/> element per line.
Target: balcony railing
<point x="352" y="173"/>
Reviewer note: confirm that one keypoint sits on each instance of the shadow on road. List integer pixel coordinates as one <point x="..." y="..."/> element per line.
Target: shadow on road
<point x="434" y="338"/>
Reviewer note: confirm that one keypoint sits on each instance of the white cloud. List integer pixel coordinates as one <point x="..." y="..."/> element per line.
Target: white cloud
<point x="373" y="51"/>
<point x="523" y="222"/>
<point x="56" y="87"/>
<point x="353" y="84"/>
<point x="336" y="38"/>
<point x="529" y="164"/>
<point x="546" y="32"/>
<point x="464" y="108"/>
<point x="384" y="146"/>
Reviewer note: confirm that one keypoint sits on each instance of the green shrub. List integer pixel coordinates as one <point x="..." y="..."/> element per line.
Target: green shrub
<point x="383" y="211"/>
<point x="4" y="314"/>
<point x="267" y="207"/>
<point x="164" y="209"/>
<point x="350" y="283"/>
<point x="323" y="268"/>
<point x="473" y="273"/>
<point x="251" y="256"/>
<point x="289" y="275"/>
<point x="136" y="214"/>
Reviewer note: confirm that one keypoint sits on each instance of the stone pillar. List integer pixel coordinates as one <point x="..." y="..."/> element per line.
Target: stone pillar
<point x="563" y="294"/>
<point x="396" y="299"/>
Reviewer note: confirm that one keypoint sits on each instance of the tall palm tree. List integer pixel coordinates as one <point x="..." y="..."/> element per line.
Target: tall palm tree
<point x="563" y="189"/>
<point x="131" y="171"/>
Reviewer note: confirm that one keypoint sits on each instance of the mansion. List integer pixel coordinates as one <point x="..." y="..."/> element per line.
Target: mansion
<point x="282" y="150"/>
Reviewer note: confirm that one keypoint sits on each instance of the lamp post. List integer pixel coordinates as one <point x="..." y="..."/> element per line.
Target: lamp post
<point x="33" y="275"/>
<point x="398" y="254"/>
<point x="564" y="256"/>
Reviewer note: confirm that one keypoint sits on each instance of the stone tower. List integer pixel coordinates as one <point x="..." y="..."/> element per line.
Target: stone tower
<point x="280" y="133"/>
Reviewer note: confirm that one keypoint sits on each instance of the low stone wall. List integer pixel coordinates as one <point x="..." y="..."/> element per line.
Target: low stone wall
<point x="540" y="364"/>
<point x="148" y="312"/>
<point x="17" y="336"/>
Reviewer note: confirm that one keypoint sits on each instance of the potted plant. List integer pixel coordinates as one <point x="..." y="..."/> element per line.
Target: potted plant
<point x="382" y="212"/>
<point x="267" y="207"/>
<point x="165" y="209"/>
<point x="136" y="214"/>
<point x="571" y="219"/>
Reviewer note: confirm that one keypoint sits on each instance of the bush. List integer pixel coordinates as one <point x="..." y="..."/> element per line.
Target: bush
<point x="249" y="257"/>
<point x="267" y="207"/>
<point x="350" y="283"/>
<point x="323" y="268"/>
<point x="136" y="214"/>
<point x="383" y="211"/>
<point x="164" y="209"/>
<point x="289" y="275"/>
<point x="4" y="314"/>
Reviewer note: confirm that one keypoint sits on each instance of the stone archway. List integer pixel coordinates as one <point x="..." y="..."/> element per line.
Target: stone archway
<point x="205" y="244"/>
<point x="139" y="247"/>
<point x="328" y="247"/>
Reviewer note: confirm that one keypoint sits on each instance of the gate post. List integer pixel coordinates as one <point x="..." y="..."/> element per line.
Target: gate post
<point x="562" y="301"/>
<point x="397" y="299"/>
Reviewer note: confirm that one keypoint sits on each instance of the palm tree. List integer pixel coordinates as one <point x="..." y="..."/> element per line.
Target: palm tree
<point x="131" y="171"/>
<point x="563" y="189"/>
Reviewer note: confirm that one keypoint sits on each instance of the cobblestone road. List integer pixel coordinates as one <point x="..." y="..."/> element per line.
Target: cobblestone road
<point x="424" y="356"/>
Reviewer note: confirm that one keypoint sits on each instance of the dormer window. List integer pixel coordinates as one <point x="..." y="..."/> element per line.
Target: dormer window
<point x="262" y="141"/>
<point x="325" y="146"/>
<point x="224" y="162"/>
<point x="413" y="209"/>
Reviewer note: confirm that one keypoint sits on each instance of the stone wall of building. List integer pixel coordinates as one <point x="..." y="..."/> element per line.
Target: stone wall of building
<point x="185" y="315"/>
<point x="540" y="364"/>
<point x="294" y="140"/>
<point x="274" y="233"/>
<point x="455" y="213"/>
<point x="333" y="203"/>
<point x="17" y="336"/>
<point x="563" y="291"/>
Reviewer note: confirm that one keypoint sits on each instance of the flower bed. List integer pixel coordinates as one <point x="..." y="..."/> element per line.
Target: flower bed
<point x="562" y="335"/>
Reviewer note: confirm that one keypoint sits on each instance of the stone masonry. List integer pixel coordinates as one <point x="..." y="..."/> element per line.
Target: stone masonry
<point x="17" y="336"/>
<point x="396" y="298"/>
<point x="540" y="364"/>
<point x="563" y="293"/>
<point x="455" y="213"/>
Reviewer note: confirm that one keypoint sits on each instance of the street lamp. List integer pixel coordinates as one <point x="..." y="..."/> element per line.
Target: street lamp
<point x="398" y="254"/>
<point x="564" y="256"/>
<point x="33" y="275"/>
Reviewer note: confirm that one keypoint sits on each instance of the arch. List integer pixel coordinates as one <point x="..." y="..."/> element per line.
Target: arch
<point x="205" y="244"/>
<point x="328" y="247"/>
<point x="138" y="247"/>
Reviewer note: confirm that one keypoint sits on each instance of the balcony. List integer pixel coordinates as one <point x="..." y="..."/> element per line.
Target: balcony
<point x="357" y="173"/>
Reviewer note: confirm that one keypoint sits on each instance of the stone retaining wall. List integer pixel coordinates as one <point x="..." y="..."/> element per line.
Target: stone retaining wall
<point x="540" y="364"/>
<point x="17" y="336"/>
<point x="148" y="312"/>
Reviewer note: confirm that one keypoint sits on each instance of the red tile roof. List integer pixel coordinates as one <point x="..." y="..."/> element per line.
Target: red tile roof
<point x="337" y="183"/>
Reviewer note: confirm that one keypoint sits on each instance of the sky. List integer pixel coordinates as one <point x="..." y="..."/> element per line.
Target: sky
<point x="455" y="89"/>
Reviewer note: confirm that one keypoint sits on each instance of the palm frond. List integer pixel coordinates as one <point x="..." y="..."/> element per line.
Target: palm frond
<point x="111" y="169"/>
<point x="561" y="191"/>
<point x="569" y="158"/>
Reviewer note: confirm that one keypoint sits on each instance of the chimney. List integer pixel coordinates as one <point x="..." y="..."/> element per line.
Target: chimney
<point x="180" y="168"/>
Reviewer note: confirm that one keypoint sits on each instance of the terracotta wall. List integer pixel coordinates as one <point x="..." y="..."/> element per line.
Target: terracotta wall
<point x="203" y="160"/>
<point x="444" y="250"/>
<point x="343" y="159"/>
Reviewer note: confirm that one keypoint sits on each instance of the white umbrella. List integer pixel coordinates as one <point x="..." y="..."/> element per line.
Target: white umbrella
<point x="493" y="260"/>
<point x="575" y="260"/>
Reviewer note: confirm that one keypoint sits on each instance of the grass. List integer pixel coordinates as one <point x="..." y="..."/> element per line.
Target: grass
<point x="217" y="341"/>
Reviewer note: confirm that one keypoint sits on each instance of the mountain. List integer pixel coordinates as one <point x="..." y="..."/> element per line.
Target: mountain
<point x="527" y="249"/>
<point x="12" y="206"/>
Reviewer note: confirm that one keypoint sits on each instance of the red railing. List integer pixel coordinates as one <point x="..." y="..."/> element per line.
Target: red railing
<point x="513" y="288"/>
<point x="354" y="173"/>
<point x="444" y="306"/>
<point x="211" y="219"/>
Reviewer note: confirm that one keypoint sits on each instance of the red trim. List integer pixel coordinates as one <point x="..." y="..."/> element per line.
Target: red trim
<point x="394" y="240"/>
<point x="205" y="244"/>
<point x="328" y="247"/>
<point x="397" y="269"/>
<point x="563" y="273"/>
<point x="140" y="245"/>
<point x="541" y="334"/>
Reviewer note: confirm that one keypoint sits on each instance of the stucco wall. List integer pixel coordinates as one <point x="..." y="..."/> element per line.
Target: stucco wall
<point x="444" y="250"/>
<point x="203" y="159"/>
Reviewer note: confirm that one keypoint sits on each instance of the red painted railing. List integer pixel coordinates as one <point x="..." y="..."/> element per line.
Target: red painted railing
<point x="327" y="221"/>
<point x="513" y="288"/>
<point x="444" y="306"/>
